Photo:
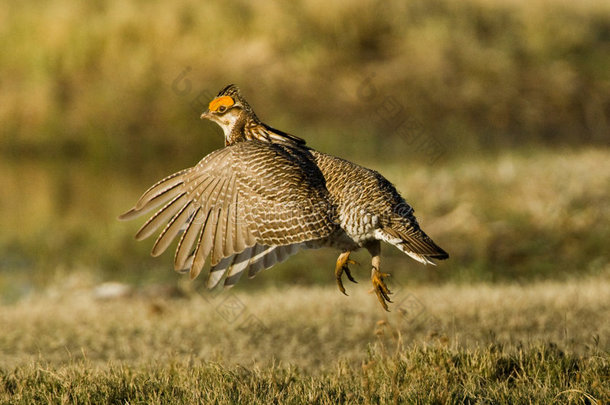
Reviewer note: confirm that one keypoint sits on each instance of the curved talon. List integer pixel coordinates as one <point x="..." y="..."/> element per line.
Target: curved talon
<point x="348" y="272"/>
<point x="340" y="285"/>
<point x="342" y="267"/>
<point x="380" y="288"/>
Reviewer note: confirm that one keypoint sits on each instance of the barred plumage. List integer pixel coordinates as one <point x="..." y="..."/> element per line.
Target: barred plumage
<point x="266" y="195"/>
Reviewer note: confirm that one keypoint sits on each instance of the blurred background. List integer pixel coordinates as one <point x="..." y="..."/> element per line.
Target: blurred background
<point x="491" y="117"/>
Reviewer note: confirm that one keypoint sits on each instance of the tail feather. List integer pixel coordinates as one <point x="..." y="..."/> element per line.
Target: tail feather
<point x="413" y="242"/>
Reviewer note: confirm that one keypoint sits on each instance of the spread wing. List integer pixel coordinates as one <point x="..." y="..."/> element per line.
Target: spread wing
<point x="247" y="206"/>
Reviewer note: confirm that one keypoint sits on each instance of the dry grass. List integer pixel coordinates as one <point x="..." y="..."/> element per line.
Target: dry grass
<point x="507" y="343"/>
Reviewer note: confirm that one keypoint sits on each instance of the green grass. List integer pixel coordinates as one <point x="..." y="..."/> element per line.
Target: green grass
<point x="540" y="343"/>
<point x="543" y="374"/>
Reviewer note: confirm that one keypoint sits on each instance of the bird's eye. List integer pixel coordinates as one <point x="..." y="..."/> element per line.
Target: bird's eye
<point x="222" y="108"/>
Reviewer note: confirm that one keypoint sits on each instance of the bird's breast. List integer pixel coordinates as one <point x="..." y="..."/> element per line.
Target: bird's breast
<point x="359" y="224"/>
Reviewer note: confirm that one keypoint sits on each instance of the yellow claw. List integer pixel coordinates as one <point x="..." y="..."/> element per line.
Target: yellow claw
<point x="380" y="288"/>
<point x="342" y="267"/>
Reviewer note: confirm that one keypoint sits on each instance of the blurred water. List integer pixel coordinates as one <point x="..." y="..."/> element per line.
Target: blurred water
<point x="516" y="217"/>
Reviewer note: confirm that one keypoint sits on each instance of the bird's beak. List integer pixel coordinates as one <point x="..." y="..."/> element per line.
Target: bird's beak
<point x="206" y="115"/>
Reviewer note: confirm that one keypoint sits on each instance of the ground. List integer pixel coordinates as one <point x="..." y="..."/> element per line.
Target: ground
<point x="543" y="342"/>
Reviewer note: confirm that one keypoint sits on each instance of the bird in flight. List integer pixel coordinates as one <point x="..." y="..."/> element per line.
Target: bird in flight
<point x="265" y="196"/>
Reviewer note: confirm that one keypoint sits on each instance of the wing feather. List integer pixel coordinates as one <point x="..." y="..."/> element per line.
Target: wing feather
<point x="270" y="258"/>
<point x="257" y="262"/>
<point x="218" y="270"/>
<point x="186" y="241"/>
<point x="161" y="216"/>
<point x="217" y="233"/>
<point x="172" y="228"/>
<point x="228" y="240"/>
<point x="246" y="205"/>
<point x="204" y="245"/>
<point x="239" y="266"/>
<point x="159" y="193"/>
<point x="161" y="187"/>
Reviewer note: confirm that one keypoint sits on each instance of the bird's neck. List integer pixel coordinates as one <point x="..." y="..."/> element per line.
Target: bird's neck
<point x="235" y="133"/>
<point x="251" y="128"/>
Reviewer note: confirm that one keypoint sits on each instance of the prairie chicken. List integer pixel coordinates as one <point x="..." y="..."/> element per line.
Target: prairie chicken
<point x="266" y="195"/>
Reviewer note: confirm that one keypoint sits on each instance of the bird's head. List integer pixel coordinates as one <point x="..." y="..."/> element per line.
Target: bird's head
<point x="231" y="111"/>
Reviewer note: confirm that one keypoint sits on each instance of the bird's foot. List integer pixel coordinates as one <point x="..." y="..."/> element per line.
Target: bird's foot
<point x="342" y="267"/>
<point x="379" y="287"/>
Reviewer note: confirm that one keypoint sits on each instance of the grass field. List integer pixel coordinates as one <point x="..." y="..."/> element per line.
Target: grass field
<point x="518" y="314"/>
<point x="545" y="342"/>
<point x="492" y="118"/>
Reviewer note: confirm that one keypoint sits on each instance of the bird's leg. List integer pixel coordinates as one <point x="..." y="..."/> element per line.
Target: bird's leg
<point x="379" y="287"/>
<point x="342" y="266"/>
